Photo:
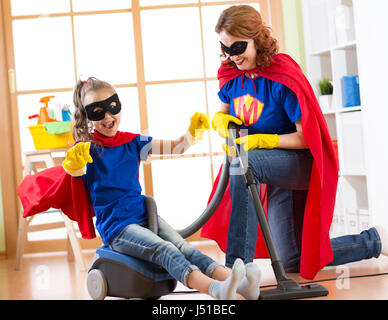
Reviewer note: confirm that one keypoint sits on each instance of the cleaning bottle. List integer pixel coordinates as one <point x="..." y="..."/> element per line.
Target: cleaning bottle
<point x="66" y="113"/>
<point x="43" y="114"/>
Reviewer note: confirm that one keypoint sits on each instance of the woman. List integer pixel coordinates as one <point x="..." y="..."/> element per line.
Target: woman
<point x="289" y="149"/>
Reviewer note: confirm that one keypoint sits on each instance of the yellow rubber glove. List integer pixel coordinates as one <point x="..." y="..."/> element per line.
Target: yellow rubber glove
<point x="221" y="121"/>
<point x="260" y="141"/>
<point x="76" y="159"/>
<point x="199" y="122"/>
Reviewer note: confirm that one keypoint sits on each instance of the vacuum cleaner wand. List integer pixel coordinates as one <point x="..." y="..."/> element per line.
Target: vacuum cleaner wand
<point x="286" y="288"/>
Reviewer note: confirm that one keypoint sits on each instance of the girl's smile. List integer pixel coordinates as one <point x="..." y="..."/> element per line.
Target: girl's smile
<point x="108" y="125"/>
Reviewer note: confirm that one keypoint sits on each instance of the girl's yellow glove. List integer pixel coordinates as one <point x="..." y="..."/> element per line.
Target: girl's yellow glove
<point x="77" y="158"/>
<point x="221" y="121"/>
<point x="259" y="141"/>
<point x="199" y="122"/>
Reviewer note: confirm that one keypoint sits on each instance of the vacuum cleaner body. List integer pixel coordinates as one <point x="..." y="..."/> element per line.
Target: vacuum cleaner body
<point x="118" y="275"/>
<point x="114" y="274"/>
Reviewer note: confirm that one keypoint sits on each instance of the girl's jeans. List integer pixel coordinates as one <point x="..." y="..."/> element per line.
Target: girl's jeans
<point x="167" y="249"/>
<point x="287" y="175"/>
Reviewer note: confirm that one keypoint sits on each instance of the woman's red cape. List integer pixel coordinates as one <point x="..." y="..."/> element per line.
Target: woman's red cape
<point x="54" y="188"/>
<point x="316" y="247"/>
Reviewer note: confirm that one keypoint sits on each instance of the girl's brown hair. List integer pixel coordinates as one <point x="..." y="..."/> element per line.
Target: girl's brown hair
<point x="82" y="129"/>
<point x="246" y="22"/>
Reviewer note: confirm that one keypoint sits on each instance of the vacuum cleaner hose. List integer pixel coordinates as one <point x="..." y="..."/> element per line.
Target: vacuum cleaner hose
<point x="213" y="204"/>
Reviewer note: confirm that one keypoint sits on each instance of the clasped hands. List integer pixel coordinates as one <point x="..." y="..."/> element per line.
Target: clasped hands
<point x="220" y="124"/>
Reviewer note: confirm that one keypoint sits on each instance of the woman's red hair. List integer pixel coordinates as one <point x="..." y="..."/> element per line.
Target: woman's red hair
<point x="246" y="22"/>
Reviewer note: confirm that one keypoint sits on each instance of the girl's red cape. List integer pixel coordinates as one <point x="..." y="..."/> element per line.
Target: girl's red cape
<point x="54" y="188"/>
<point x="316" y="247"/>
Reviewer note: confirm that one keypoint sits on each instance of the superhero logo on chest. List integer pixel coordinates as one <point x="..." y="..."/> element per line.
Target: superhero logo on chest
<point x="248" y="109"/>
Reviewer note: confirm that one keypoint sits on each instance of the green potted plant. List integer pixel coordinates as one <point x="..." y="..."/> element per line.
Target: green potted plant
<point x="326" y="96"/>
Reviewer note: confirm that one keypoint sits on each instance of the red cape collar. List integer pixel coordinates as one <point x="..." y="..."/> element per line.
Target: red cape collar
<point x="227" y="72"/>
<point x="118" y="139"/>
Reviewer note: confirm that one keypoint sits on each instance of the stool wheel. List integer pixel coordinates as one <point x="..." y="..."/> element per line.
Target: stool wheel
<point x="96" y="284"/>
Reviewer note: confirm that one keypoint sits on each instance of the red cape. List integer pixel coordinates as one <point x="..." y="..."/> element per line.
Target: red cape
<point x="54" y="188"/>
<point x="316" y="247"/>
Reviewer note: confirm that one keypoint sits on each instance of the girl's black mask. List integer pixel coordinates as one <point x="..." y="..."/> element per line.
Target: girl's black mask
<point x="96" y="111"/>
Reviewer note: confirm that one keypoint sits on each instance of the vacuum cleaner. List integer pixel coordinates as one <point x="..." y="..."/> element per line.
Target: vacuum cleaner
<point x="114" y="274"/>
<point x="286" y="289"/>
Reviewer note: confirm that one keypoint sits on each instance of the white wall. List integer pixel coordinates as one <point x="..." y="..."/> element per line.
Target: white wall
<point x="371" y="29"/>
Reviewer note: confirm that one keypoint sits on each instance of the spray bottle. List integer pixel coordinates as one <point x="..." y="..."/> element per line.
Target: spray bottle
<point x="43" y="114"/>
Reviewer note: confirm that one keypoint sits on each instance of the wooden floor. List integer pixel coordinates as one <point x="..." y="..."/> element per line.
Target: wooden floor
<point x="52" y="276"/>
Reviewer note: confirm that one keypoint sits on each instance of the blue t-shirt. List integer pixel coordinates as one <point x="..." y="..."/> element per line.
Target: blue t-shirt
<point x="114" y="187"/>
<point x="273" y="109"/>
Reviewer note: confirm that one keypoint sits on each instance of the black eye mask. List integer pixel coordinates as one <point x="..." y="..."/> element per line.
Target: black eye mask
<point x="96" y="111"/>
<point x="236" y="48"/>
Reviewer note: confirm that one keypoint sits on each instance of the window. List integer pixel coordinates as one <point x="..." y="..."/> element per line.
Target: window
<point x="57" y="42"/>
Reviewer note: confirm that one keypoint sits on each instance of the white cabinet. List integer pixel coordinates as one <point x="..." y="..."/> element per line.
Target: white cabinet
<point x="347" y="38"/>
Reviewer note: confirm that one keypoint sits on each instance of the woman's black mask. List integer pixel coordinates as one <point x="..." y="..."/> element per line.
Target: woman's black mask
<point x="96" y="111"/>
<point x="236" y="48"/>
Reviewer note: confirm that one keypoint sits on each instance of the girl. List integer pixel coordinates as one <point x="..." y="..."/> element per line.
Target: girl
<point x="289" y="149"/>
<point x="108" y="161"/>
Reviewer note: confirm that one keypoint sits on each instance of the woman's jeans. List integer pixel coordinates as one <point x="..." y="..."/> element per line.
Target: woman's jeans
<point x="287" y="175"/>
<point x="167" y="249"/>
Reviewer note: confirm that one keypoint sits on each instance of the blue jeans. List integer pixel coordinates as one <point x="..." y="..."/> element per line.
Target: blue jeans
<point x="167" y="249"/>
<point x="287" y="175"/>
